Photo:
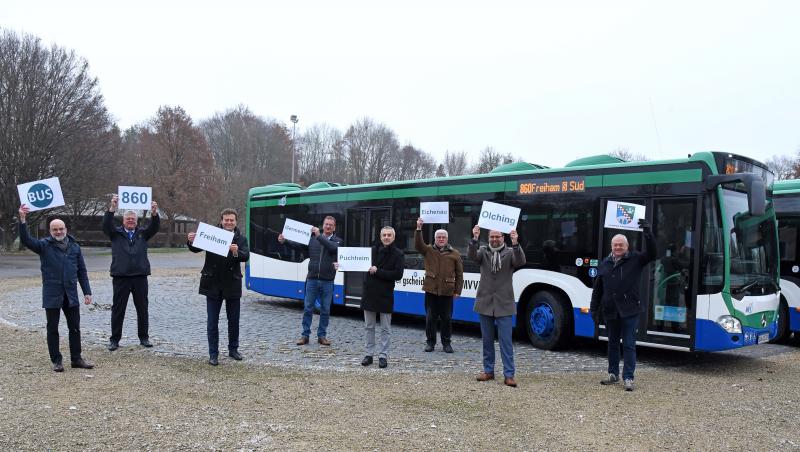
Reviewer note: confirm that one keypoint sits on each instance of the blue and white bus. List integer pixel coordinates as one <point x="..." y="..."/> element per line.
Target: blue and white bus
<point x="787" y="208"/>
<point x="714" y="285"/>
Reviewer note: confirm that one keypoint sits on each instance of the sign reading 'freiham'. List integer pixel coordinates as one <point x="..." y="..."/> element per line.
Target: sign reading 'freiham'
<point x="551" y="185"/>
<point x="213" y="239"/>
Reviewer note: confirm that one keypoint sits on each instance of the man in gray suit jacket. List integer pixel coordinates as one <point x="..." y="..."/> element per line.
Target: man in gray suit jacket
<point x="495" y="300"/>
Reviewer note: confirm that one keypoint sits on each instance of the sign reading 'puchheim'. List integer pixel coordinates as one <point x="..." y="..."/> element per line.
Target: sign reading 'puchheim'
<point x="213" y="239"/>
<point x="354" y="259"/>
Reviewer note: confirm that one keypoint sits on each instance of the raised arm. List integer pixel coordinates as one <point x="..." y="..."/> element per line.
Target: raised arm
<point x="474" y="246"/>
<point x="517" y="255"/>
<point x="25" y="235"/>
<point x="152" y="228"/>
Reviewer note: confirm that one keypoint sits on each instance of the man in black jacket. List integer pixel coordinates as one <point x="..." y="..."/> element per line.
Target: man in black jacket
<point x="616" y="299"/>
<point x="323" y="252"/>
<point x="387" y="267"/>
<point x="129" y="269"/>
<point x="221" y="280"/>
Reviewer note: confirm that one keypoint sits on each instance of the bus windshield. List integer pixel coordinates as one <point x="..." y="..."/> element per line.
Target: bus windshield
<point x="753" y="248"/>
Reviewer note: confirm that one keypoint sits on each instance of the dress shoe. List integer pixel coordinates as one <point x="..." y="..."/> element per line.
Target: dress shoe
<point x="82" y="364"/>
<point x="213" y="361"/>
<point x="447" y="348"/>
<point x="366" y="361"/>
<point x="510" y="381"/>
<point x="235" y="355"/>
<point x="485" y="376"/>
<point x="303" y="340"/>
<point x="323" y="341"/>
<point x="146" y="343"/>
<point x="58" y="367"/>
<point x="428" y="347"/>
<point x="382" y="363"/>
<point x="113" y="345"/>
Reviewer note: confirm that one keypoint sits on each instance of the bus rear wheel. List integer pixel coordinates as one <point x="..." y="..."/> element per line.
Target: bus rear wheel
<point x="547" y="321"/>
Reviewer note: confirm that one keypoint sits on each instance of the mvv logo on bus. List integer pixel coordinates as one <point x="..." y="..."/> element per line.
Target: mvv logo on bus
<point x="413" y="280"/>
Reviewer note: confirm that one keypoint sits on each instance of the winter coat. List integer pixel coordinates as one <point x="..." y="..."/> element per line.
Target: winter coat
<point x="496" y="291"/>
<point x="62" y="271"/>
<point x="444" y="271"/>
<point x="379" y="287"/>
<point x="616" y="288"/>
<point x="322" y="253"/>
<point x="222" y="276"/>
<point x="129" y="257"/>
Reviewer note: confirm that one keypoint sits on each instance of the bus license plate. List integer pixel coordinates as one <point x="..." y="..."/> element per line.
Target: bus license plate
<point x="763" y="338"/>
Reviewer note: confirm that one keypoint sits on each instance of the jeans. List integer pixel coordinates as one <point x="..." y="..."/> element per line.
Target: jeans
<point x="123" y="287"/>
<point x="232" y="308"/>
<point x="626" y="328"/>
<point x="386" y="332"/>
<point x="438" y="307"/>
<point x="504" y="328"/>
<point x="322" y="290"/>
<point x="73" y="316"/>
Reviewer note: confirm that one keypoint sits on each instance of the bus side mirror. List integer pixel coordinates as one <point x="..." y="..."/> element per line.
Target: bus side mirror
<point x="756" y="192"/>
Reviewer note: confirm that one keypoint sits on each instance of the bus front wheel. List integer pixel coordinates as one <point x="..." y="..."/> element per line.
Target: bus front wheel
<point x="547" y="321"/>
<point x="783" y="323"/>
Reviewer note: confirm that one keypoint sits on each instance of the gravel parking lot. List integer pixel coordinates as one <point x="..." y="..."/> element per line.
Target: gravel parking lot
<point x="284" y="396"/>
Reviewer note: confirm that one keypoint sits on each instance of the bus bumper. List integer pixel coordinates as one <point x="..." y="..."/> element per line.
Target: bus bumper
<point x="710" y="337"/>
<point x="794" y="319"/>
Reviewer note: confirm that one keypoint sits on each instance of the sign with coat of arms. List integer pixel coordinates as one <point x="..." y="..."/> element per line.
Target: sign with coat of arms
<point x="624" y="215"/>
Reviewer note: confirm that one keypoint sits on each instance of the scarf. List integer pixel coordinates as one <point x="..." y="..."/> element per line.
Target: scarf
<point x="495" y="262"/>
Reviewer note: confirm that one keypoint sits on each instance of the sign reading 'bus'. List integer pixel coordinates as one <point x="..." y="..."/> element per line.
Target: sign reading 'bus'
<point x="551" y="186"/>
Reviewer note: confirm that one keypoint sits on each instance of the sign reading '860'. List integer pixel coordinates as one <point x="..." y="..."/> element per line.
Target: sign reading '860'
<point x="136" y="198"/>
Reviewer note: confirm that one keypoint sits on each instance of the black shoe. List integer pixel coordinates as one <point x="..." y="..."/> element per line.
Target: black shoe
<point x="213" y="361"/>
<point x="235" y="355"/>
<point x="366" y="361"/>
<point x="113" y="345"/>
<point x="82" y="364"/>
<point x="447" y="348"/>
<point x="58" y="367"/>
<point x="428" y="347"/>
<point x="382" y="363"/>
<point x="146" y="343"/>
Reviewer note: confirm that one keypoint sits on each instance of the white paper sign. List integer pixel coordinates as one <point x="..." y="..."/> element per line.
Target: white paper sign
<point x="498" y="217"/>
<point x="297" y="231"/>
<point x="41" y="194"/>
<point x="353" y="259"/>
<point x="434" y="212"/>
<point x="624" y="215"/>
<point x="135" y="198"/>
<point x="213" y="239"/>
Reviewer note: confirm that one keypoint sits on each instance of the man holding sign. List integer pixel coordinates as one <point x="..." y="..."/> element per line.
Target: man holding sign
<point x="221" y="280"/>
<point x="63" y="269"/>
<point x="130" y="268"/>
<point x="323" y="251"/>
<point x="444" y="279"/>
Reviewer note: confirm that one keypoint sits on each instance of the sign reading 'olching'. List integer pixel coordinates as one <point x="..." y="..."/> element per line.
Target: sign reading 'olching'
<point x="551" y="185"/>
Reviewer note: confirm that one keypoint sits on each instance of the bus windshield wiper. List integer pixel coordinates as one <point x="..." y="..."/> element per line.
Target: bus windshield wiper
<point x="738" y="293"/>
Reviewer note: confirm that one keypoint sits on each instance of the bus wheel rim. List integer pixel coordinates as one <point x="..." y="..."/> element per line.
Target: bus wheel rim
<point x="543" y="320"/>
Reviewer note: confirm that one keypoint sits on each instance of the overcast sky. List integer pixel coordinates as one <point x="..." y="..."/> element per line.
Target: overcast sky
<point x="547" y="81"/>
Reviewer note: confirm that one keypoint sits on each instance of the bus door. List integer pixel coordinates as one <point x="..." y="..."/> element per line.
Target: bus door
<point x="672" y="285"/>
<point x="363" y="227"/>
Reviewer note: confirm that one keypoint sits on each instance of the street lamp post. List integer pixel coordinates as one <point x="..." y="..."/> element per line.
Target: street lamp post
<point x="293" y="118"/>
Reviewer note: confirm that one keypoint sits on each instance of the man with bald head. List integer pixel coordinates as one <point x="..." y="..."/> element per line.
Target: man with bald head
<point x="616" y="300"/>
<point x="63" y="269"/>
<point x="129" y="269"/>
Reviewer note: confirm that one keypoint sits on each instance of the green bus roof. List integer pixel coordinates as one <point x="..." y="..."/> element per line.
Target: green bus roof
<point x="786" y="186"/>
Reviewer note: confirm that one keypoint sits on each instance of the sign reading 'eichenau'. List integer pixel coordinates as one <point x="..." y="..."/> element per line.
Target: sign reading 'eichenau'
<point x="213" y="239"/>
<point x="434" y="212"/>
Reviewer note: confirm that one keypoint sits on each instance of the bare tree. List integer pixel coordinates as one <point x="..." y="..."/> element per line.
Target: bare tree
<point x="178" y="164"/>
<point x="372" y="152"/>
<point x="53" y="121"/>
<point x="628" y="155"/>
<point x="455" y="163"/>
<point x="320" y="156"/>
<point x="414" y="164"/>
<point x="784" y="166"/>
<point x="491" y="159"/>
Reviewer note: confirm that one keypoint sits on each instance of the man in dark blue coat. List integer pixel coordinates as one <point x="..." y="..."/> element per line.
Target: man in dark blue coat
<point x="63" y="269"/>
<point x="129" y="269"/>
<point x="323" y="251"/>
<point x="616" y="299"/>
<point x="221" y="280"/>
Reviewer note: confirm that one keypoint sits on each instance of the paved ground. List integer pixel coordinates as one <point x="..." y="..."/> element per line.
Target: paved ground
<point x="269" y="327"/>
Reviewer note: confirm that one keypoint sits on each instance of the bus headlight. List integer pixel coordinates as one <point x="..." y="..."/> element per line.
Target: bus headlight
<point x="730" y="324"/>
